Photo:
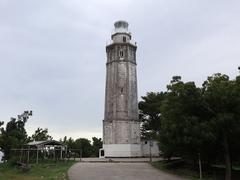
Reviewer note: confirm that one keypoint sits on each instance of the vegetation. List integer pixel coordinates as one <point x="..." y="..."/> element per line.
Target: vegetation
<point x="41" y="171"/>
<point x="14" y="136"/>
<point x="41" y="135"/>
<point x="84" y="146"/>
<point x="192" y="121"/>
<point x="180" y="169"/>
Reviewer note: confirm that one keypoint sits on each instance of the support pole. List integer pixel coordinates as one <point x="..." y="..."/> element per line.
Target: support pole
<point x="69" y="154"/>
<point x="80" y="155"/>
<point x="65" y="154"/>
<point x="54" y="155"/>
<point x="200" y="166"/>
<point x="61" y="153"/>
<point x="37" y="156"/>
<point x="150" y="151"/>
<point x="21" y="154"/>
<point x="28" y="152"/>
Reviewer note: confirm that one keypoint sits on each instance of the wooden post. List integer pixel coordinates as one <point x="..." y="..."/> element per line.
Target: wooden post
<point x="68" y="154"/>
<point x="37" y="156"/>
<point x="150" y="150"/>
<point x="61" y="153"/>
<point x="54" y="155"/>
<point x="80" y="155"/>
<point x="21" y="154"/>
<point x="74" y="156"/>
<point x="65" y="154"/>
<point x="200" y="166"/>
<point x="28" y="155"/>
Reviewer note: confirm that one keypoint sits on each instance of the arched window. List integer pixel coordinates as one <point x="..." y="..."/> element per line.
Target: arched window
<point x="121" y="54"/>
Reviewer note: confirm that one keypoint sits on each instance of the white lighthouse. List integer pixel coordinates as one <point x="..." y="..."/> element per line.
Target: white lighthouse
<point x="121" y="125"/>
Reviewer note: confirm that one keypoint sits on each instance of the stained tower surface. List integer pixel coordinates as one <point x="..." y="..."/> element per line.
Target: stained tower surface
<point x="121" y="125"/>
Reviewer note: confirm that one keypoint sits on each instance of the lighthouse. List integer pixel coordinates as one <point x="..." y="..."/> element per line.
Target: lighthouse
<point x="121" y="124"/>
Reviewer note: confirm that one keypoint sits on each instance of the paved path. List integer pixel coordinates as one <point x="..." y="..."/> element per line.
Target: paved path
<point x="118" y="159"/>
<point x="117" y="171"/>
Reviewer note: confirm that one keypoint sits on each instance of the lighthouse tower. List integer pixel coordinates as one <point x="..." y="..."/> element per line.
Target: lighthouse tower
<point x="121" y="125"/>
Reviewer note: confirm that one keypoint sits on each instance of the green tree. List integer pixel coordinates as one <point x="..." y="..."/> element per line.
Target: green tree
<point x="192" y="120"/>
<point x="150" y="114"/>
<point x="1" y="123"/>
<point x="222" y="99"/>
<point x="97" y="144"/>
<point x="41" y="135"/>
<point x="70" y="142"/>
<point x="13" y="136"/>
<point x="1" y="130"/>
<point x="184" y="129"/>
<point x="84" y="145"/>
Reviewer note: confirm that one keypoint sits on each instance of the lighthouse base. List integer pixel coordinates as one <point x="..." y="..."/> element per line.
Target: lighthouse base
<point x="122" y="150"/>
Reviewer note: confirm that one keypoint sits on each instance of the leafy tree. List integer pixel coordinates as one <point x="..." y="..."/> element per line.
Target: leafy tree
<point x="65" y="139"/>
<point x="97" y="144"/>
<point x="1" y="130"/>
<point x="14" y="136"/>
<point x="41" y="135"/>
<point x="70" y="143"/>
<point x="84" y="145"/>
<point x="192" y="120"/>
<point x="184" y="121"/>
<point x="222" y="98"/>
<point x="1" y="123"/>
<point x="150" y="114"/>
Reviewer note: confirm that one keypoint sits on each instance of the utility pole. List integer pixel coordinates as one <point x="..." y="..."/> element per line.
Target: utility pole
<point x="150" y="150"/>
<point x="200" y="166"/>
<point x="80" y="155"/>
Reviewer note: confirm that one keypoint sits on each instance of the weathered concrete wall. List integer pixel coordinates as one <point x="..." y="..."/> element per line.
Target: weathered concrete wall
<point x="121" y="132"/>
<point x="119" y="37"/>
<point x="122" y="150"/>
<point x="145" y="148"/>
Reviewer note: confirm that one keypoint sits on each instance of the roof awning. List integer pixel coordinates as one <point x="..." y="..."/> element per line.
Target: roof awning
<point x="44" y="143"/>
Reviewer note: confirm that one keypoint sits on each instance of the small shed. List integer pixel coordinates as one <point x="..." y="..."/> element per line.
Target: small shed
<point x="46" y="146"/>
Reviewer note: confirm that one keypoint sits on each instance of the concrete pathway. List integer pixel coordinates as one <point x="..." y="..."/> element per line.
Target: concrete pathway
<point x="117" y="171"/>
<point x="117" y="159"/>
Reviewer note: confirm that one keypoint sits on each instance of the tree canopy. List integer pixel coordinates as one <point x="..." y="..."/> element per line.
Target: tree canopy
<point x="189" y="120"/>
<point x="41" y="135"/>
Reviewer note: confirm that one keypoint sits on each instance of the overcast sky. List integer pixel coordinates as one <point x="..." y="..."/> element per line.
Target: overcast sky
<point x="52" y="54"/>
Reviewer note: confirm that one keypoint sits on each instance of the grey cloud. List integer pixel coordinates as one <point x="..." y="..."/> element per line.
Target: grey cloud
<point x="52" y="53"/>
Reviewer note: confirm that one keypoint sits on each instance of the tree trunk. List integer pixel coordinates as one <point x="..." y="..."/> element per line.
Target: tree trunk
<point x="228" y="172"/>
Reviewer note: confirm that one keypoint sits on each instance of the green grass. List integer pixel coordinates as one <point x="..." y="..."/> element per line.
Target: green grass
<point x="41" y="171"/>
<point x="179" y="170"/>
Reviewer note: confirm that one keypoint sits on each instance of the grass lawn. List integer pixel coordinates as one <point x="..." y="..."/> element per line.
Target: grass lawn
<point x="179" y="171"/>
<point x="41" y="171"/>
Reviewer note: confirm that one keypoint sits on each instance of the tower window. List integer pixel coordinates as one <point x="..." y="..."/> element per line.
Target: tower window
<point x="121" y="90"/>
<point x="121" y="53"/>
<point x="124" y="39"/>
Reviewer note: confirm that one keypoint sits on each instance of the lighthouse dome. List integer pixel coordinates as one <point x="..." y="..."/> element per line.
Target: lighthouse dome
<point x="121" y="26"/>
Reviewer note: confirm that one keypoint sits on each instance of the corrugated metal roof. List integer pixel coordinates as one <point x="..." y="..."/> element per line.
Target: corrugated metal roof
<point x="42" y="143"/>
